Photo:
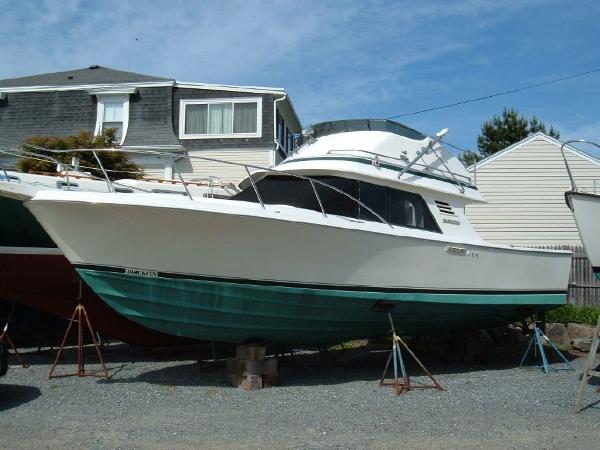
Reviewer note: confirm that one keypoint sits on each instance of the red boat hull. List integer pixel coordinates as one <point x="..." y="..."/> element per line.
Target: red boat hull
<point x="48" y="282"/>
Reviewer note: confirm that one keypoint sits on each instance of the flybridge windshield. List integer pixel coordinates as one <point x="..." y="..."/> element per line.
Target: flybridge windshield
<point x="342" y="126"/>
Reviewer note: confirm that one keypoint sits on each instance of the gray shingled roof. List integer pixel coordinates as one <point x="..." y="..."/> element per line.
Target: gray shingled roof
<point x="90" y="75"/>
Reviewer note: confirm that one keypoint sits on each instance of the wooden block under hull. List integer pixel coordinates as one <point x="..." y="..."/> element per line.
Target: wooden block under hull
<point x="253" y="370"/>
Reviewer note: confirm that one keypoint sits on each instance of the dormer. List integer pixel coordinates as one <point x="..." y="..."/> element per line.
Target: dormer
<point x="113" y="110"/>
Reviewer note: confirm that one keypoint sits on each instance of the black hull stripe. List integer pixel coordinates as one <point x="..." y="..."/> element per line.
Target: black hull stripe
<point x="320" y="286"/>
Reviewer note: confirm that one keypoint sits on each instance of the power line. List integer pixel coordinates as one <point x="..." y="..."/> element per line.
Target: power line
<point x="456" y="147"/>
<point x="497" y="94"/>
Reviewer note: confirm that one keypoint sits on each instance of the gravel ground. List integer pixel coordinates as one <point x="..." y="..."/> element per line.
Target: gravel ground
<point x="329" y="400"/>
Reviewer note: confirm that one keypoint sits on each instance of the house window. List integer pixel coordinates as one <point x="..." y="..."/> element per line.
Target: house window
<point x="113" y="112"/>
<point x="220" y="118"/>
<point x="113" y="117"/>
<point x="285" y="137"/>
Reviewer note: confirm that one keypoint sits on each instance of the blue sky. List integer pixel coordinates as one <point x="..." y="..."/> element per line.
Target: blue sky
<point x="337" y="59"/>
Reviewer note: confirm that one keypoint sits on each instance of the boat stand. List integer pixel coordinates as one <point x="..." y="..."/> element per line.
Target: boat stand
<point x="537" y="341"/>
<point x="589" y="371"/>
<point x="5" y="338"/>
<point x="405" y="384"/>
<point x="79" y="315"/>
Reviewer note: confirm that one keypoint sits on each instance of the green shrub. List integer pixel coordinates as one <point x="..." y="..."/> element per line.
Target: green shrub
<point x="587" y="315"/>
<point x="117" y="163"/>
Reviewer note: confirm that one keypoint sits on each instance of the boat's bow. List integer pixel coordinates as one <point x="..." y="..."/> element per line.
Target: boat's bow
<point x="586" y="211"/>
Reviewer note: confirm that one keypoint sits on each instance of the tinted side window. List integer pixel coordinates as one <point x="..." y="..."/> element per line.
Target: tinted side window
<point x="336" y="203"/>
<point x="282" y="190"/>
<point x="397" y="207"/>
<point x="408" y="209"/>
<point x="375" y="197"/>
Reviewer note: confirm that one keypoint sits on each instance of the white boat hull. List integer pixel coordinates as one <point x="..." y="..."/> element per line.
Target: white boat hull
<point x="216" y="260"/>
<point x="586" y="211"/>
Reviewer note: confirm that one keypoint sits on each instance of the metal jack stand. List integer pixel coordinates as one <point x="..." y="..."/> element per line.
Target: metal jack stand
<point x="588" y="371"/>
<point x="538" y="338"/>
<point x="4" y="337"/>
<point x="405" y="384"/>
<point x="81" y="315"/>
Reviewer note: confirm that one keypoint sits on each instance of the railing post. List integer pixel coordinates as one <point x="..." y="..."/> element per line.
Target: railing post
<point x="461" y="188"/>
<point x="318" y="198"/>
<point x="254" y="186"/>
<point x="187" y="191"/>
<point x="111" y="188"/>
<point x="67" y="176"/>
<point x="4" y="170"/>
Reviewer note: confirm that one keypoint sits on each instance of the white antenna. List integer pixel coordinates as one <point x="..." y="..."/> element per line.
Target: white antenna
<point x="443" y="132"/>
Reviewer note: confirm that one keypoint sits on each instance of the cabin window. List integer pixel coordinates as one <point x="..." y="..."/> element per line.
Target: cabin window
<point x="282" y="190"/>
<point x="220" y="118"/>
<point x="408" y="209"/>
<point x="335" y="202"/>
<point x="397" y="207"/>
<point x="375" y="197"/>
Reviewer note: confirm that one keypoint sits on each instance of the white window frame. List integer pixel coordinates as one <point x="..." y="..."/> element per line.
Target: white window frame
<point x="112" y="98"/>
<point x="182" y="111"/>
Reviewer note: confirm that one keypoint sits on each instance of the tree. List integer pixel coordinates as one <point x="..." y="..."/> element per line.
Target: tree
<point x="511" y="127"/>
<point x="503" y="131"/>
<point x="468" y="158"/>
<point x="117" y="163"/>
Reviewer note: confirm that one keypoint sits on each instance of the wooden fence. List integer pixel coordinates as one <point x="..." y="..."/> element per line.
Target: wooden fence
<point x="584" y="287"/>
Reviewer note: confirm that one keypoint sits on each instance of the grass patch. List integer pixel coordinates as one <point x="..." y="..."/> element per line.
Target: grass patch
<point x="587" y="315"/>
<point x="349" y="345"/>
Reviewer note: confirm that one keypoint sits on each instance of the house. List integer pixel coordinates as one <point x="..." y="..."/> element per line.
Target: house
<point x="244" y="124"/>
<point x="525" y="186"/>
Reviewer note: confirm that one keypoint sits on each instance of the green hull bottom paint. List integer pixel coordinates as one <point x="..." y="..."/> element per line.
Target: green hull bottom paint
<point x="237" y="312"/>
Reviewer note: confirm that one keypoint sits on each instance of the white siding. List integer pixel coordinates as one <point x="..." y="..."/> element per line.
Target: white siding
<point x="154" y="167"/>
<point x="202" y="169"/>
<point x="525" y="190"/>
<point x="8" y="161"/>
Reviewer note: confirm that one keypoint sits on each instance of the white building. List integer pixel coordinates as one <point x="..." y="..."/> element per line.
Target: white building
<point x="525" y="185"/>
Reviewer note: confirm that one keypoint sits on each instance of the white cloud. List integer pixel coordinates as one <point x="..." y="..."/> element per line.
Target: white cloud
<point x="337" y="58"/>
<point x="589" y="131"/>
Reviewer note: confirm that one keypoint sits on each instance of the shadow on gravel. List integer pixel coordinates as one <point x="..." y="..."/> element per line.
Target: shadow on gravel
<point x="115" y="353"/>
<point x="308" y="368"/>
<point x="193" y="374"/>
<point x="13" y="395"/>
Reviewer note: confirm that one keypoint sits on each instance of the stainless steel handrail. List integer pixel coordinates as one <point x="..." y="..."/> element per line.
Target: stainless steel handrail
<point x="461" y="188"/>
<point x="405" y="160"/>
<point x="111" y="188"/>
<point x="571" y="177"/>
<point x="4" y="170"/>
<point x="254" y="187"/>
<point x="46" y="158"/>
<point x="247" y="167"/>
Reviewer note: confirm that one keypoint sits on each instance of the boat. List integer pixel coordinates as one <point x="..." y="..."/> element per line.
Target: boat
<point x="586" y="212"/>
<point x="365" y="218"/>
<point x="35" y="271"/>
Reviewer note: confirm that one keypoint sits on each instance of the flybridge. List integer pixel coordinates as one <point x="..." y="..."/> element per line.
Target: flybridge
<point x="396" y="152"/>
<point x="344" y="126"/>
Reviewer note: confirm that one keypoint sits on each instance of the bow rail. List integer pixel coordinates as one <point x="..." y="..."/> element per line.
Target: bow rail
<point x="111" y="183"/>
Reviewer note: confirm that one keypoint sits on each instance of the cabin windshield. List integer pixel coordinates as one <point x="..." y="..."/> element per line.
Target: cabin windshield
<point x="397" y="207"/>
<point x="342" y="126"/>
